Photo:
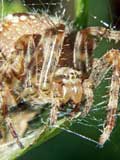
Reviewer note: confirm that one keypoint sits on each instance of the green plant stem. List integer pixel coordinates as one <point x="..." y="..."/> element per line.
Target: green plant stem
<point x="81" y="13"/>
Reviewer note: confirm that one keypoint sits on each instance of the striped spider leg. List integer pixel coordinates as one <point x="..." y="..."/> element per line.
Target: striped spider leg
<point x="111" y="58"/>
<point x="6" y="122"/>
<point x="52" y="48"/>
<point x="7" y="71"/>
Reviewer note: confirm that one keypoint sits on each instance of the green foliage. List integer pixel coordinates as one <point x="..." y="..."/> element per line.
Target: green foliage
<point x="12" y="6"/>
<point x="81" y="13"/>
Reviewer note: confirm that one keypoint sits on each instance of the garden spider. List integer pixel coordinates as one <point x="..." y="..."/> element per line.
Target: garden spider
<point x="42" y="61"/>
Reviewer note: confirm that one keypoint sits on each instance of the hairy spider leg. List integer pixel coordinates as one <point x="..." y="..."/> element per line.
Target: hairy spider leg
<point x="54" y="111"/>
<point x="88" y="92"/>
<point x="27" y="46"/>
<point x="111" y="58"/>
<point x="13" y="132"/>
<point x="52" y="47"/>
<point x="4" y="106"/>
<point x="84" y="45"/>
<point x="82" y="54"/>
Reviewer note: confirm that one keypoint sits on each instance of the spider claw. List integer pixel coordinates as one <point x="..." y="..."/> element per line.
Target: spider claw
<point x="104" y="137"/>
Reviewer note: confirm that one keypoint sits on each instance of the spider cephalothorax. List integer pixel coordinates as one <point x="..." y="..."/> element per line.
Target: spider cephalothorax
<point x="41" y="61"/>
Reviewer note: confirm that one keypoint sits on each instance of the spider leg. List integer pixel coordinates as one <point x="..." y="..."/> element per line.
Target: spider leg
<point x="83" y="51"/>
<point x="113" y="101"/>
<point x="25" y="47"/>
<point x="52" y="47"/>
<point x="111" y="58"/>
<point x="85" y="43"/>
<point x="13" y="132"/>
<point x="56" y="101"/>
<point x="54" y="111"/>
<point x="88" y="92"/>
<point x="4" y="96"/>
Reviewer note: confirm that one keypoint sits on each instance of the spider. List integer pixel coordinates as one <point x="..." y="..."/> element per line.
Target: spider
<point x="43" y="61"/>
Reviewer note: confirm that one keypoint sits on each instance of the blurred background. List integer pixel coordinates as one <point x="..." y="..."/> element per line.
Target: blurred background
<point x="68" y="146"/>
